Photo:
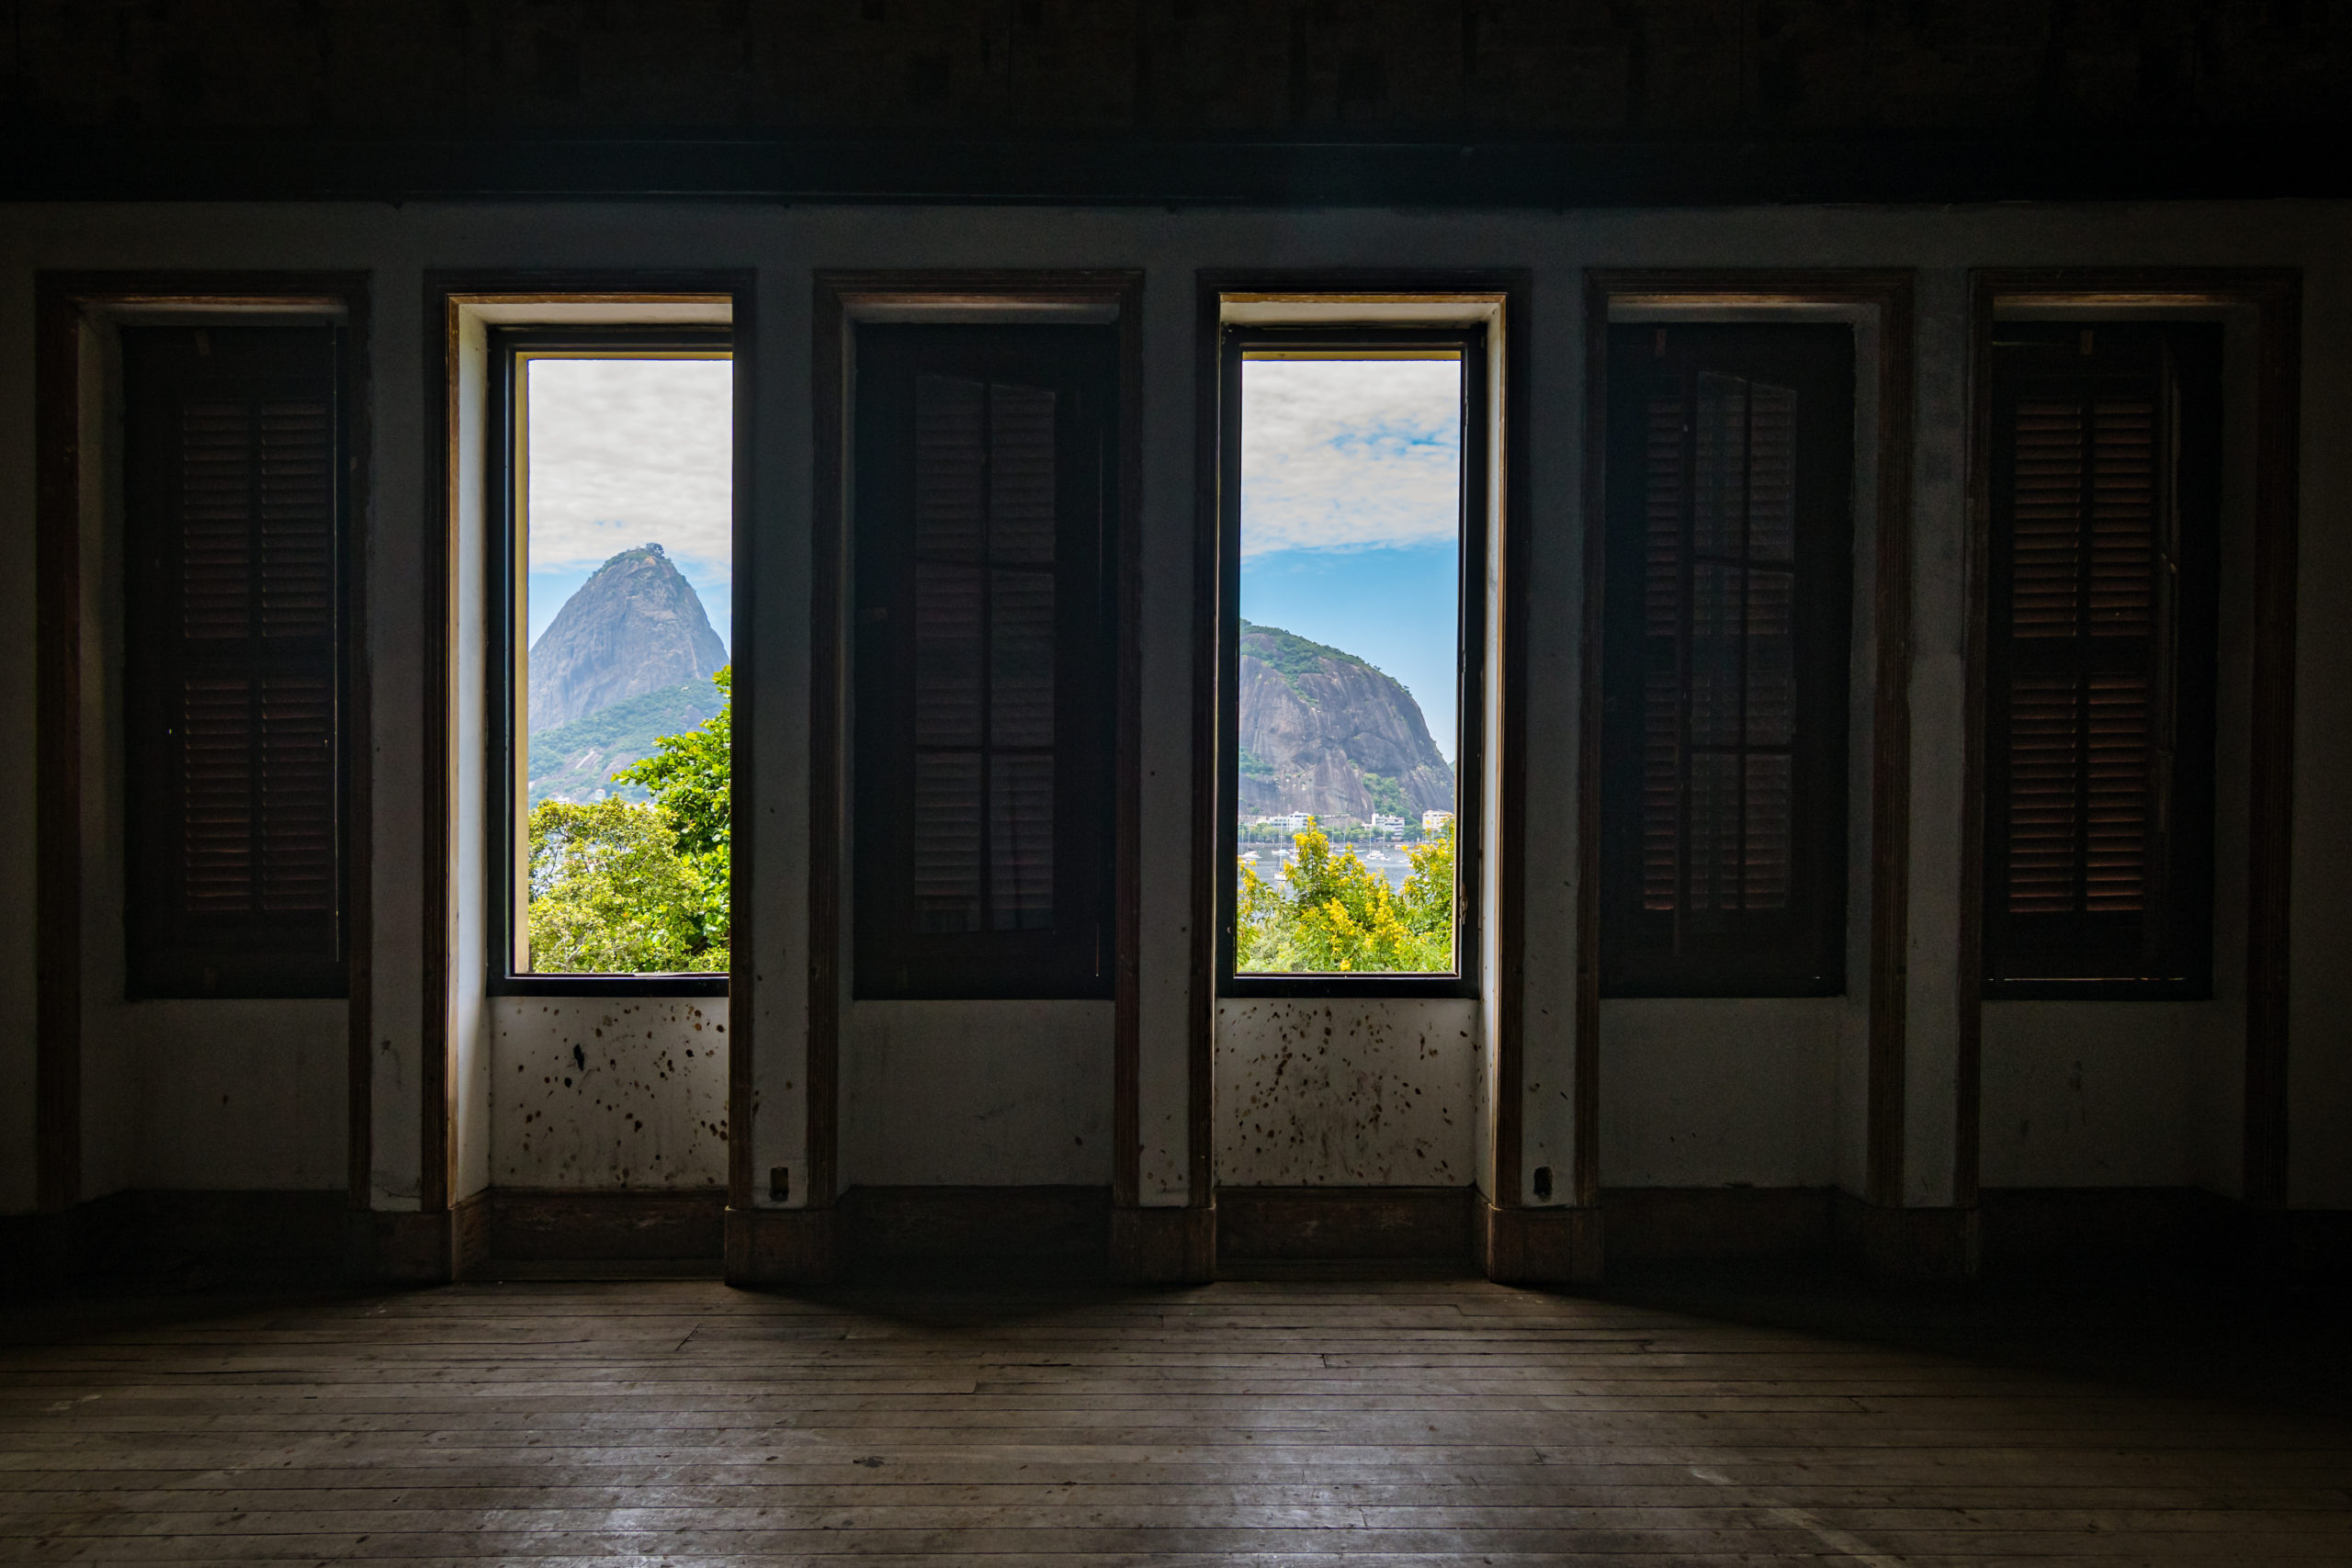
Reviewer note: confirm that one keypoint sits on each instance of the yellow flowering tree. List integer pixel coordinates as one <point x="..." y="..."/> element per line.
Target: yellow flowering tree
<point x="1333" y="914"/>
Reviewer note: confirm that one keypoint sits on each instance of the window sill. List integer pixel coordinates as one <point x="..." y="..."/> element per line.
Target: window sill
<point x="687" y="985"/>
<point x="1392" y="988"/>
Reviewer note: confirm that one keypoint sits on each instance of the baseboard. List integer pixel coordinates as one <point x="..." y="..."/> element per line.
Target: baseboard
<point x="1706" y="1223"/>
<point x="1163" y="1247"/>
<point x="544" y="1225"/>
<point x="1291" y="1223"/>
<point x="781" y="1247"/>
<point x="149" y="1239"/>
<point x="1539" y="1247"/>
<point x="398" y="1247"/>
<point x="2028" y="1229"/>
<point x="887" y="1227"/>
<point x="1910" y="1245"/>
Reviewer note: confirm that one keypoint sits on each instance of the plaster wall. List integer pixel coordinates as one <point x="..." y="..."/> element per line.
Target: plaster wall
<point x="981" y="1094"/>
<point x="607" y="1093"/>
<point x="396" y="244"/>
<point x="1347" y="1093"/>
<point x="1716" y="1091"/>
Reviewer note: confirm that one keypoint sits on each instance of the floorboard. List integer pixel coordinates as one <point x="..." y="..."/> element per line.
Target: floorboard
<point x="1292" y="1421"/>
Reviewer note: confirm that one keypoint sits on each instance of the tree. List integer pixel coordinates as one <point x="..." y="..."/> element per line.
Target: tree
<point x="1335" y="915"/>
<point x="621" y="887"/>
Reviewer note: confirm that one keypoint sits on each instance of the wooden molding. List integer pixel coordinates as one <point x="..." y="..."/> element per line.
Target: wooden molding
<point x="780" y="1247"/>
<point x="841" y="297"/>
<point x="1891" y="294"/>
<point x="1163" y="1247"/>
<point x="2274" y="295"/>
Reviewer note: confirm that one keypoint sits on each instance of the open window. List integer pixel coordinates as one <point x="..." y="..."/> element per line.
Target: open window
<point x="610" y="601"/>
<point x="986" y="660"/>
<point x="2099" y="692"/>
<point x="236" y="671"/>
<point x="1725" y="667"/>
<point x="1352" y="497"/>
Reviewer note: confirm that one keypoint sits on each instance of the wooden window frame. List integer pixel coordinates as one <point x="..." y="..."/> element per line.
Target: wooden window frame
<point x="839" y="300"/>
<point x="2183" y="651"/>
<point x="505" y="850"/>
<point x="2273" y="296"/>
<point x="1233" y="343"/>
<point x="1707" y="293"/>
<point x="1820" y="824"/>
<point x="64" y="302"/>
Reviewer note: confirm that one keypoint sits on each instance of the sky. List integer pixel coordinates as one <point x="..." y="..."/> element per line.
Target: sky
<point x="1350" y="513"/>
<point x="626" y="452"/>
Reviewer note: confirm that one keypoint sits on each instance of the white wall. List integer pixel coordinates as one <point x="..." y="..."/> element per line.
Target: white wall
<point x="980" y="1094"/>
<point x="1349" y="1093"/>
<point x="607" y="1093"/>
<point x="397" y="244"/>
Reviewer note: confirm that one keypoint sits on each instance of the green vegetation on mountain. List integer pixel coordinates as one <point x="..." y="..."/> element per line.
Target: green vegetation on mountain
<point x="575" y="761"/>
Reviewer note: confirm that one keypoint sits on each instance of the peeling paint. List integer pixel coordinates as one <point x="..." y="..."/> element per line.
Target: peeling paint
<point x="605" y="1092"/>
<point x="1346" y="1093"/>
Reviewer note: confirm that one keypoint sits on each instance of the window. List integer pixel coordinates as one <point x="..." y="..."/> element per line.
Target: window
<point x="985" y="660"/>
<point x="234" y="526"/>
<point x="613" y="604"/>
<point x="1353" y="535"/>
<point x="2099" y="725"/>
<point x="1724" y="669"/>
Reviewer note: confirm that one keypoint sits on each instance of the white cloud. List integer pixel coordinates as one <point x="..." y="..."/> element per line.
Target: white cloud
<point x="1350" y="453"/>
<point x="629" y="452"/>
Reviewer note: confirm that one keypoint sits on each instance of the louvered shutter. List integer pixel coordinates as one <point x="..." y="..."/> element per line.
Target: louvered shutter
<point x="983" y="673"/>
<point x="2085" y="880"/>
<point x="1722" y="662"/>
<point x="232" y="750"/>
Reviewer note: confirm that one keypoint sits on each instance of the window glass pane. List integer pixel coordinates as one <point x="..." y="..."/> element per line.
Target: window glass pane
<point x="1349" y="651"/>
<point x="624" y="554"/>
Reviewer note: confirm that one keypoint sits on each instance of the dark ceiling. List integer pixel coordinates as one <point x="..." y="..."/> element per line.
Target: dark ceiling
<point x="1519" y="101"/>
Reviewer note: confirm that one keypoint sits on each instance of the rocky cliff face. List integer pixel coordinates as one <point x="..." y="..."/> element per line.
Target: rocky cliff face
<point x="637" y="625"/>
<point x="1323" y="731"/>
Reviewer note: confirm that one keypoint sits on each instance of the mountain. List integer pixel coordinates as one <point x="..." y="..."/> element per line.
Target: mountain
<point x="1323" y="731"/>
<point x="637" y="625"/>
<point x="575" y="761"/>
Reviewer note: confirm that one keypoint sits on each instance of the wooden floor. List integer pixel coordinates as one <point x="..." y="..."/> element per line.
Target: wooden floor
<point x="680" y="1421"/>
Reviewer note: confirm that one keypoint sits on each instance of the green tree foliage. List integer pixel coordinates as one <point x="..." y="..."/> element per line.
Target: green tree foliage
<point x="622" y="887"/>
<point x="1332" y="914"/>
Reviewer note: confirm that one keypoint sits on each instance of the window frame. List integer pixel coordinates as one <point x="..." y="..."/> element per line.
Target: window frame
<point x="1472" y="339"/>
<point x="503" y="583"/>
<point x="1822" y="829"/>
<point x="2183" y="657"/>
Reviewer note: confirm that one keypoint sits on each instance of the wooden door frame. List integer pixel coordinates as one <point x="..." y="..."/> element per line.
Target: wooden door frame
<point x="61" y="302"/>
<point x="2274" y="295"/>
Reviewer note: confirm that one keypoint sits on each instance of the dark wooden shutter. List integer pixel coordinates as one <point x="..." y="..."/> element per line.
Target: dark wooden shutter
<point x="982" y="799"/>
<point x="1724" y="659"/>
<point x="2097" y="817"/>
<point x="233" y="758"/>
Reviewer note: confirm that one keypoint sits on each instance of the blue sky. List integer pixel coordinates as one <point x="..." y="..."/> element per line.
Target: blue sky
<point x="1350" y="513"/>
<point x="626" y="452"/>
